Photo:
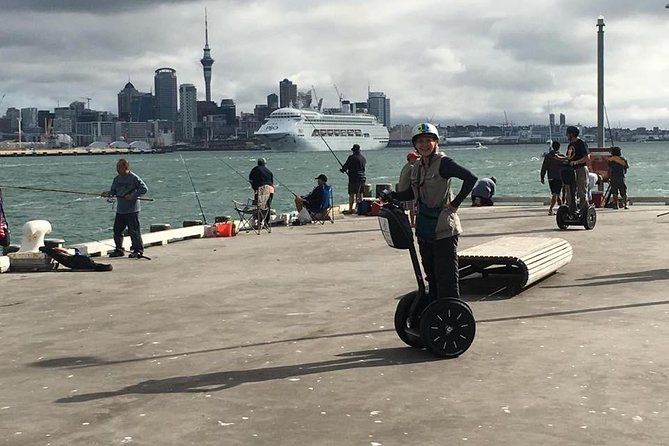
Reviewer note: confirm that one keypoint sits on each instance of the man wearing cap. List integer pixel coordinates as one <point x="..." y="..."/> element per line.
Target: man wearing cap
<point x="354" y="167"/>
<point x="262" y="182"/>
<point x="314" y="200"/>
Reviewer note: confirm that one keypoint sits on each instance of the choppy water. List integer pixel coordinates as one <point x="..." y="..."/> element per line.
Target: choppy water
<point x="83" y="218"/>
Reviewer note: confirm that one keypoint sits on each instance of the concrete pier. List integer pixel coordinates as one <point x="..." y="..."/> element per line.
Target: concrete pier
<point x="287" y="338"/>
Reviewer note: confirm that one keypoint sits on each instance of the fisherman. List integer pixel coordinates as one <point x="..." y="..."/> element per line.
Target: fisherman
<point x="577" y="157"/>
<point x="262" y="183"/>
<point x="314" y="200"/>
<point x="552" y="165"/>
<point x="484" y="191"/>
<point x="354" y="167"/>
<point x="127" y="187"/>
<point x="437" y="223"/>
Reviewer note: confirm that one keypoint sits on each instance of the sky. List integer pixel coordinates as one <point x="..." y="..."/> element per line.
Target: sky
<point x="451" y="62"/>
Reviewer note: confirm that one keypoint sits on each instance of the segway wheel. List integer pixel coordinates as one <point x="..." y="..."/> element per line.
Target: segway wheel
<point x="447" y="327"/>
<point x="589" y="218"/>
<point x="402" y="321"/>
<point x="561" y="217"/>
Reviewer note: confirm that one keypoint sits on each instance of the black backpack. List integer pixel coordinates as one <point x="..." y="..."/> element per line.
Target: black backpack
<point x="75" y="262"/>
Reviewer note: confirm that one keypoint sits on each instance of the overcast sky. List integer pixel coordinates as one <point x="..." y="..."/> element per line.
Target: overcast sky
<point x="455" y="61"/>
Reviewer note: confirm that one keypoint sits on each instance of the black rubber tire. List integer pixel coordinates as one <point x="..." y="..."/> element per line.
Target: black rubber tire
<point x="589" y="218"/>
<point x="561" y="217"/>
<point x="401" y="316"/>
<point x="447" y="327"/>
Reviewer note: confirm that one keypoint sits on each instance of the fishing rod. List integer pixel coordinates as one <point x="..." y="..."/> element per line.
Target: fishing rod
<point x="96" y="194"/>
<point x="326" y="143"/>
<point x="287" y="188"/>
<point x="197" y="196"/>
<point x="663" y="213"/>
<point x="247" y="180"/>
<point x="608" y="126"/>
<point x="139" y="256"/>
<point x="234" y="170"/>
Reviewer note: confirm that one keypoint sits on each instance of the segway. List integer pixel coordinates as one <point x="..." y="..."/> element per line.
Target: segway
<point x="446" y="327"/>
<point x="568" y="214"/>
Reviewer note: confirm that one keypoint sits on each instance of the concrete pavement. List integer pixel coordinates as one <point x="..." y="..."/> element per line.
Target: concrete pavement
<point x="287" y="338"/>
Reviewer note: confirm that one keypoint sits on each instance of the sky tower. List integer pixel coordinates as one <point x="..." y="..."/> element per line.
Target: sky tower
<point x="206" y="60"/>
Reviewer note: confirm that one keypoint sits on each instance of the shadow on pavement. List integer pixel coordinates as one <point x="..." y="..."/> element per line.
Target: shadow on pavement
<point x="217" y="381"/>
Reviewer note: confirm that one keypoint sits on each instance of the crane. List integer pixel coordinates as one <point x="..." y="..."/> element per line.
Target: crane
<point x="2" y="98"/>
<point x="319" y="102"/>
<point x="339" y="95"/>
<point x="88" y="105"/>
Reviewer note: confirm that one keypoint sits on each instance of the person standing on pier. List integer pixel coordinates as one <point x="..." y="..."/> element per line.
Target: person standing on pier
<point x="127" y="187"/>
<point x="617" y="169"/>
<point x="577" y="156"/>
<point x="262" y="183"/>
<point x="437" y="223"/>
<point x="354" y="167"/>
<point x="553" y="166"/>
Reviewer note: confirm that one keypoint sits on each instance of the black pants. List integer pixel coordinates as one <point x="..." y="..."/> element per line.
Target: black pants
<point x="440" y="262"/>
<point x="131" y="221"/>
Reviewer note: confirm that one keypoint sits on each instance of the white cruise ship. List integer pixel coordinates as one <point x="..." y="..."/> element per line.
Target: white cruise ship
<point x="295" y="130"/>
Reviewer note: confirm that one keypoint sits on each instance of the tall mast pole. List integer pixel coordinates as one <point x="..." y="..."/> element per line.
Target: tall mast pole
<point x="600" y="82"/>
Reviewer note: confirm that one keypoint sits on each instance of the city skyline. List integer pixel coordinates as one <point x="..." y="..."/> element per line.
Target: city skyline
<point x="468" y="62"/>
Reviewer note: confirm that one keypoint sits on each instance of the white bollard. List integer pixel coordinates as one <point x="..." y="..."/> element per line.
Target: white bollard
<point x="33" y="235"/>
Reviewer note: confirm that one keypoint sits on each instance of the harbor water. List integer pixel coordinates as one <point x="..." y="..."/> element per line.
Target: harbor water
<point x="79" y="218"/>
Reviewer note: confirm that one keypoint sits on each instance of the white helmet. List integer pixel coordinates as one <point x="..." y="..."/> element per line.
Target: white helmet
<point x="424" y="128"/>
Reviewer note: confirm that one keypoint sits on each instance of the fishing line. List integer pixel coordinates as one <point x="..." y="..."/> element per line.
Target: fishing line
<point x="287" y="188"/>
<point x="96" y="194"/>
<point x="197" y="196"/>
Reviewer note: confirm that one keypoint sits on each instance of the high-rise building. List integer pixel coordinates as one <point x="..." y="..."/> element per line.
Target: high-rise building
<point x="272" y="102"/>
<point x="563" y="120"/>
<point x="287" y="94"/>
<point x="125" y="97"/>
<point x="13" y="114"/>
<point x="229" y="111"/>
<point x="142" y="107"/>
<point x="165" y="90"/>
<point x="28" y="117"/>
<point x="206" y="60"/>
<point x="379" y="105"/>
<point x="188" y="110"/>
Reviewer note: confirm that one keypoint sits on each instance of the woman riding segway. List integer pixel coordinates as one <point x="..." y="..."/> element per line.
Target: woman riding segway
<point x="437" y="229"/>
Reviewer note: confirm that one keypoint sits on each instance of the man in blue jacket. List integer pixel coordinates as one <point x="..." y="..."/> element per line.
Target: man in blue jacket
<point x="127" y="187"/>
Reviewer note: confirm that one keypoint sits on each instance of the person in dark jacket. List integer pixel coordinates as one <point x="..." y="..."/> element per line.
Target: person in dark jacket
<point x="262" y="183"/>
<point x="553" y="164"/>
<point x="437" y="223"/>
<point x="617" y="169"/>
<point x="127" y="187"/>
<point x="484" y="191"/>
<point x="354" y="167"/>
<point x="314" y="200"/>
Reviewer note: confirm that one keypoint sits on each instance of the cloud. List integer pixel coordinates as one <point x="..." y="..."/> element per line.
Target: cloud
<point x="457" y="61"/>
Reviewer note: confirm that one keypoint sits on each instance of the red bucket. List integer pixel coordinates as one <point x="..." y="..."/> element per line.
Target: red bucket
<point x="598" y="199"/>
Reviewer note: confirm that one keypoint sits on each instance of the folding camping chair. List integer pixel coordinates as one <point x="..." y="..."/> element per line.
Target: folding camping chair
<point x="326" y="211"/>
<point x="254" y="215"/>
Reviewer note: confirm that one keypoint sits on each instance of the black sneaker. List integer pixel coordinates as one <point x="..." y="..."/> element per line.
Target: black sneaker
<point x="135" y="255"/>
<point x="117" y="254"/>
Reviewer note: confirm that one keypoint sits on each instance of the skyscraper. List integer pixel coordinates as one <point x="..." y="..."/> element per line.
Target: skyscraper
<point x="165" y="88"/>
<point x="188" y="110"/>
<point x="287" y="94"/>
<point x="125" y="101"/>
<point x="379" y="105"/>
<point x="272" y="102"/>
<point x="206" y="60"/>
